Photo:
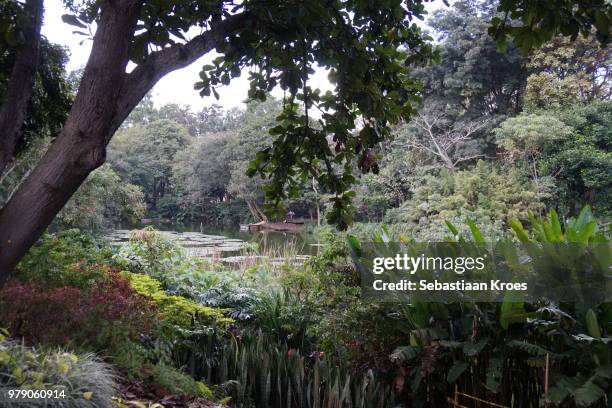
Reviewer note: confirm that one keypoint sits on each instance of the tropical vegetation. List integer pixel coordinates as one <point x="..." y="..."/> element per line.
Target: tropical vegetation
<point x="491" y="122"/>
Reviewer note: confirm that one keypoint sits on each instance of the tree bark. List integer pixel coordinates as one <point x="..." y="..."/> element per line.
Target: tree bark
<point x="80" y="147"/>
<point x="106" y="96"/>
<point x="21" y="83"/>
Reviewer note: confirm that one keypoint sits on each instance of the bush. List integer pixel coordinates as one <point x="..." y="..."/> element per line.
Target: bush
<point x="256" y="371"/>
<point x="361" y="334"/>
<point x="102" y="317"/>
<point x="85" y="380"/>
<point x="176" y="310"/>
<point x="229" y="294"/>
<point x="151" y="253"/>
<point x="42" y="315"/>
<point x="177" y="382"/>
<point x="67" y="258"/>
<point x="489" y="195"/>
<point x="102" y="202"/>
<point x="286" y="318"/>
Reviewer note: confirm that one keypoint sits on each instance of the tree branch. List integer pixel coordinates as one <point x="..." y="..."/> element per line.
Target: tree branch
<point x="160" y="63"/>
<point x="420" y="146"/>
<point x="441" y="139"/>
<point x="468" y="158"/>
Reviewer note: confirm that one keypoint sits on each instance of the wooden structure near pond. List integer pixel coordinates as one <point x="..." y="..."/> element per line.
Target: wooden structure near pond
<point x="287" y="226"/>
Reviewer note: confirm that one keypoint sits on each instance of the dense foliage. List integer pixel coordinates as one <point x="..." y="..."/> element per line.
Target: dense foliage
<point x="82" y="379"/>
<point x="303" y="333"/>
<point x="475" y="139"/>
<point x="493" y="139"/>
<point x="199" y="173"/>
<point x="497" y="132"/>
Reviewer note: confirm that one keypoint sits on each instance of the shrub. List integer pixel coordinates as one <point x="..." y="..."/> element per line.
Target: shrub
<point x="42" y="315"/>
<point x="176" y="310"/>
<point x="228" y="293"/>
<point x="102" y="201"/>
<point x="177" y="382"/>
<point x="85" y="380"/>
<point x="362" y="334"/>
<point x="184" y="326"/>
<point x="256" y="371"/>
<point x="286" y="318"/>
<point x="67" y="258"/>
<point x="148" y="252"/>
<point x="489" y="195"/>
<point x="97" y="317"/>
<point x="151" y="253"/>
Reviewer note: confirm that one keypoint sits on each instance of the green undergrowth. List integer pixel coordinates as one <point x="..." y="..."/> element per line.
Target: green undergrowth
<point x="83" y="380"/>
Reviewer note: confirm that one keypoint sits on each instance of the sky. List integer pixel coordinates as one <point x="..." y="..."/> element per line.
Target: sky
<point x="176" y="87"/>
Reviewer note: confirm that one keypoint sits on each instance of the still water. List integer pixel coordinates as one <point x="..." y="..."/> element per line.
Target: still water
<point x="233" y="245"/>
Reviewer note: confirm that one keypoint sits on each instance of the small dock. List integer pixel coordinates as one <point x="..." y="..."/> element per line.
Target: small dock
<point x="287" y="226"/>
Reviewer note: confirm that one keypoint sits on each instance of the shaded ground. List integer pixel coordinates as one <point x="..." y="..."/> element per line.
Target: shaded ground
<point x="138" y="394"/>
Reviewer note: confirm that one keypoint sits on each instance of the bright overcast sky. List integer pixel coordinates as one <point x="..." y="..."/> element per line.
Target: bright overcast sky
<point x="176" y="87"/>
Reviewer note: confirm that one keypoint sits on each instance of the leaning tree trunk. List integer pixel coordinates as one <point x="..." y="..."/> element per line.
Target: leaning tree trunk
<point x="21" y="83"/>
<point x="107" y="94"/>
<point x="80" y="147"/>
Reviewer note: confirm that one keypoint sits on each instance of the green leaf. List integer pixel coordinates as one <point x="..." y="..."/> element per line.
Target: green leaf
<point x="585" y="217"/>
<point x="72" y="20"/>
<point x="556" y="225"/>
<point x="476" y="233"/>
<point x="455" y="371"/>
<point x="452" y="228"/>
<point x="520" y="232"/>
<point x="494" y="373"/>
<point x="512" y="312"/>
<point x="592" y="325"/>
<point x="473" y="348"/>
<point x="531" y="349"/>
<point x="588" y="393"/>
<point x="403" y="354"/>
<point x="354" y="245"/>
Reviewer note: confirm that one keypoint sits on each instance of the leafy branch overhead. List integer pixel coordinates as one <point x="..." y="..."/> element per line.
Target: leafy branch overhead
<point x="368" y="49"/>
<point x="532" y="23"/>
<point x="367" y="54"/>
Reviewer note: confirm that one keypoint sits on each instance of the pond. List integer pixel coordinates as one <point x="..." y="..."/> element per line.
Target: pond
<point x="233" y="245"/>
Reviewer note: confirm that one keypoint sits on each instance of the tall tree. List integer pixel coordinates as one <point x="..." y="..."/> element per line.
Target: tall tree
<point x="447" y="142"/>
<point x="48" y="107"/>
<point x="21" y="82"/>
<point x="565" y="72"/>
<point x="473" y="77"/>
<point x="214" y="169"/>
<point x="144" y="154"/>
<point x="532" y="23"/>
<point x="527" y="138"/>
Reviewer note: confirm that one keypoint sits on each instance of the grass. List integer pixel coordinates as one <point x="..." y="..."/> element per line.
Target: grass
<point x="86" y="381"/>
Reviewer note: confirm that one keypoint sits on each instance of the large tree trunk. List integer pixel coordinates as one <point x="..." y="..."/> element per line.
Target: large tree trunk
<point x="81" y="146"/>
<point x="107" y="94"/>
<point x="21" y="83"/>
